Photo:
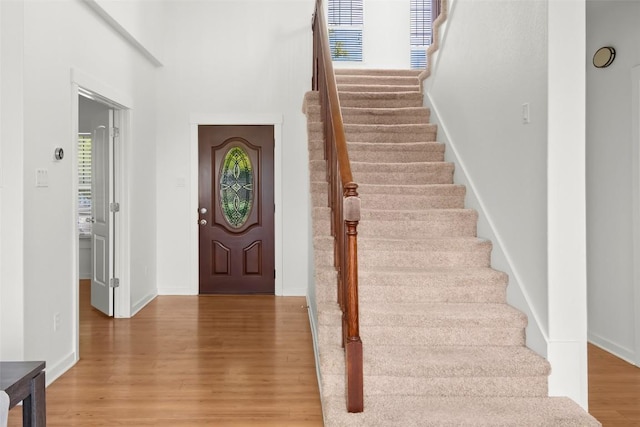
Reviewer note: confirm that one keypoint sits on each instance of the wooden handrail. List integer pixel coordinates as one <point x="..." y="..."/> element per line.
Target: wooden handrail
<point x="345" y="208"/>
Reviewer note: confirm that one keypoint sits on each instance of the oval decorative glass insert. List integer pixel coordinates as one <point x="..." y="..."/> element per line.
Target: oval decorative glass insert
<point x="236" y="187"/>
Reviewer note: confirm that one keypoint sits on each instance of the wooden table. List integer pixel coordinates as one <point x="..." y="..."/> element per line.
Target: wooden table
<point x="24" y="382"/>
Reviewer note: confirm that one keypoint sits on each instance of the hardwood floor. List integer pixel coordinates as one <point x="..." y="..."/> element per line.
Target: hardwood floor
<point x="233" y="361"/>
<point x="191" y="361"/>
<point x="614" y="389"/>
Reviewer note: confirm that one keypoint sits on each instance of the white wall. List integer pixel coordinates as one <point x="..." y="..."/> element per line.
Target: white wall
<point x="11" y="179"/>
<point x="609" y="178"/>
<point x="527" y="180"/>
<point x="233" y="59"/>
<point x="140" y="21"/>
<point x="484" y="75"/>
<point x="77" y="38"/>
<point x="385" y="38"/>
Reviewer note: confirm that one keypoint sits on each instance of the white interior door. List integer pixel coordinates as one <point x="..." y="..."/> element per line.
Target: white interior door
<point x="102" y="217"/>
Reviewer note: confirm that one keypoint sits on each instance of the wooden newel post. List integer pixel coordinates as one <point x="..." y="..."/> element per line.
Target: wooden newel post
<point x="353" y="343"/>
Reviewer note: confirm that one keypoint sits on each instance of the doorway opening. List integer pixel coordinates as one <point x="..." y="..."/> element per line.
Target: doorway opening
<point x="96" y="209"/>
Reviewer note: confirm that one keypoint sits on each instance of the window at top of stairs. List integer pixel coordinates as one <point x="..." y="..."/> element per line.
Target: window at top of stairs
<point x="345" y="29"/>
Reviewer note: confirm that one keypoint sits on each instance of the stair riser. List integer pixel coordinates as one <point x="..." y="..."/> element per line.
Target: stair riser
<point x="378" y="80"/>
<point x="422" y="134"/>
<point x="376" y="72"/>
<point x="326" y="291"/>
<point x="467" y="386"/>
<point x="378" y="335"/>
<point x="479" y="258"/>
<point x="369" y="259"/>
<point x="380" y="103"/>
<point x="385" y="116"/>
<point x="432" y="176"/>
<point x="395" y="156"/>
<point x="418" y="229"/>
<point x="320" y="199"/>
<point x="398" y="201"/>
<point x="377" y="88"/>
<point x="398" y="230"/>
<point x="383" y="153"/>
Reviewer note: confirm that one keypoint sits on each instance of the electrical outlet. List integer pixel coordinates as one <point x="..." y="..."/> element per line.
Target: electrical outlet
<point x="56" y="322"/>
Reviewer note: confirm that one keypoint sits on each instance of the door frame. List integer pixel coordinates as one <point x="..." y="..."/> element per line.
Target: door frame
<point x="122" y="106"/>
<point x="239" y="119"/>
<point x="635" y="200"/>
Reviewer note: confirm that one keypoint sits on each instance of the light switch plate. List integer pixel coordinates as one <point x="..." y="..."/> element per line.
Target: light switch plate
<point x="42" y="178"/>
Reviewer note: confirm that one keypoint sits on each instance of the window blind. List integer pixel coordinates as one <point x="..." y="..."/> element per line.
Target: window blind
<point x="421" y="33"/>
<point x="84" y="184"/>
<point x="345" y="29"/>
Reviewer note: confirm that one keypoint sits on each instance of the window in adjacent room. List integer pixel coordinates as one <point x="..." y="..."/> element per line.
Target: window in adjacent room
<point x="84" y="184"/>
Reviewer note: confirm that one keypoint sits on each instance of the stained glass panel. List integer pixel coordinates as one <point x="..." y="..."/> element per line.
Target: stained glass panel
<point x="236" y="187"/>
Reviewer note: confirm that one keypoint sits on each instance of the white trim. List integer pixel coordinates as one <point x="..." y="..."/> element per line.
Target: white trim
<point x="113" y="23"/>
<point x="55" y="371"/>
<point x="315" y="338"/>
<point x="197" y="119"/>
<point x="142" y="303"/>
<point x="110" y="94"/>
<point x="122" y="116"/>
<point x="635" y="203"/>
<point x="609" y="346"/>
<point x="75" y="244"/>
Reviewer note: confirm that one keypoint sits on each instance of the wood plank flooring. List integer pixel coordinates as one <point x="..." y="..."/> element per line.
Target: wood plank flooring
<point x="191" y="361"/>
<point x="614" y="389"/>
<point x="233" y="361"/>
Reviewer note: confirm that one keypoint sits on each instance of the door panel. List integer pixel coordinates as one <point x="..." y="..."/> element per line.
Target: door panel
<point x="101" y="176"/>
<point x="236" y="190"/>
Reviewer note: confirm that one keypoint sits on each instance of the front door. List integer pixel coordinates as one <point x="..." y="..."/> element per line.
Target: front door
<point x="236" y="210"/>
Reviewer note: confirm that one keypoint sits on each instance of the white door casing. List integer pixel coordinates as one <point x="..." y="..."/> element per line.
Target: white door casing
<point x="635" y="197"/>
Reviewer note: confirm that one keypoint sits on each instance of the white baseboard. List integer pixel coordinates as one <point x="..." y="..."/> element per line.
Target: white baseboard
<point x="314" y="337"/>
<point x="52" y="373"/>
<point x="176" y="291"/>
<point x="623" y="353"/>
<point x="141" y="303"/>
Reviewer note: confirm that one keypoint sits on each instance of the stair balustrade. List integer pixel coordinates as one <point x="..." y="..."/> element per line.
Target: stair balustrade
<point x="345" y="208"/>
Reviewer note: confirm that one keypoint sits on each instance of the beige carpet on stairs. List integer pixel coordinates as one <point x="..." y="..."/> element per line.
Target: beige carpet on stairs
<point x="441" y="345"/>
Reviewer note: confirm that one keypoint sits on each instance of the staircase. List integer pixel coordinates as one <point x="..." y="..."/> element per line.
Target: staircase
<point x="441" y="346"/>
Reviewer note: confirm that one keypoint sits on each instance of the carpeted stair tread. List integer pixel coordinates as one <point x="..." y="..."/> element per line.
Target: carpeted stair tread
<point x="423" y="132"/>
<point x="441" y="345"/>
<point x="449" y="361"/>
<point x="436" y="411"/>
<point x="426" y="284"/>
<point x="376" y="72"/>
<point x="395" y="152"/>
<point x="354" y="87"/>
<point x="394" y="316"/>
<point x="380" y="99"/>
<point x="403" y="173"/>
<point x="410" y="81"/>
<point x="398" y="115"/>
<point x="410" y="245"/>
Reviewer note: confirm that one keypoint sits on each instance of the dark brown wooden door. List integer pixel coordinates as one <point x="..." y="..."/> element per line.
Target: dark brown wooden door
<point x="236" y="210"/>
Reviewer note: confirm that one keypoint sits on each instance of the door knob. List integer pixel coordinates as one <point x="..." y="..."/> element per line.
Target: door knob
<point x="203" y="222"/>
<point x="203" y="210"/>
